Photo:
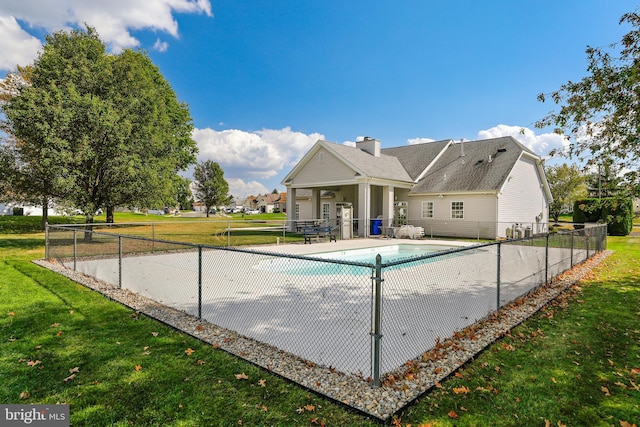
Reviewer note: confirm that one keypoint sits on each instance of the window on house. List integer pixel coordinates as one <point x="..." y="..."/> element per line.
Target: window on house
<point x="325" y="211"/>
<point x="427" y="209"/>
<point x="321" y="156"/>
<point x="457" y="210"/>
<point x="297" y="214"/>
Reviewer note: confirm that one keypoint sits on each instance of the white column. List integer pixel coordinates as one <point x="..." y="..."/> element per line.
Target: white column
<point x="291" y="208"/>
<point x="364" y="209"/>
<point x="315" y="204"/>
<point x="388" y="198"/>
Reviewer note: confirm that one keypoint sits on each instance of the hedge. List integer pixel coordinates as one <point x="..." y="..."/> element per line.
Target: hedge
<point x="616" y="212"/>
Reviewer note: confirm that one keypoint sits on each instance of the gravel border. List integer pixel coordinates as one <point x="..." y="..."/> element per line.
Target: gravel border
<point x="399" y="388"/>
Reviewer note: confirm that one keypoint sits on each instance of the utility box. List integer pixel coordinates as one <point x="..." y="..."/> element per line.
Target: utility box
<point x="345" y="217"/>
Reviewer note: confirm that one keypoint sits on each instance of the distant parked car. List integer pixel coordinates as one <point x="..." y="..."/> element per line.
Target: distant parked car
<point x="252" y="211"/>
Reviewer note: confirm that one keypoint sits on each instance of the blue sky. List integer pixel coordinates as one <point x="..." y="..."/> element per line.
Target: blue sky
<point x="265" y="79"/>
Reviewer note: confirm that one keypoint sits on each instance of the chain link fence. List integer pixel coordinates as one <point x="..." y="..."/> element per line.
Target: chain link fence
<point x="365" y="317"/>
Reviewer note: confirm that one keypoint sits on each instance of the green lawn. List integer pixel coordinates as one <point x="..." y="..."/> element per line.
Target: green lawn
<point x="576" y="363"/>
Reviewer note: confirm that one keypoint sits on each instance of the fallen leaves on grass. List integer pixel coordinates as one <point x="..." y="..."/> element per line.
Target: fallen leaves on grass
<point x="25" y="395"/>
<point x="461" y="390"/>
<point x="242" y="376"/>
<point x="309" y="408"/>
<point x="189" y="351"/>
<point x="453" y="415"/>
<point x="33" y="362"/>
<point x="626" y="424"/>
<point x="262" y="383"/>
<point x="69" y="378"/>
<point x="138" y="368"/>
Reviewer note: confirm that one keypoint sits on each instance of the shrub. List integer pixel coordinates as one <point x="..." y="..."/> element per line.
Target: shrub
<point x="616" y="212"/>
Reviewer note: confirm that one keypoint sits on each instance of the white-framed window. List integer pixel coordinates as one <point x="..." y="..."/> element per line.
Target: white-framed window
<point x="427" y="209"/>
<point x="457" y="210"/>
<point x="297" y="213"/>
<point x="325" y="211"/>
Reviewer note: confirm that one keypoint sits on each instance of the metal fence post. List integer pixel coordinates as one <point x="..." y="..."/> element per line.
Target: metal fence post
<point x="377" y="319"/>
<point x="120" y="262"/>
<point x="46" y="240"/>
<point x="498" y="278"/>
<point x="572" y="234"/>
<point x="546" y="260"/>
<point x="200" y="282"/>
<point x="75" y="249"/>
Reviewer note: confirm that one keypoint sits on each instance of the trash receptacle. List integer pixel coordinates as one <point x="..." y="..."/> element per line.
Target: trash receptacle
<point x="376" y="227"/>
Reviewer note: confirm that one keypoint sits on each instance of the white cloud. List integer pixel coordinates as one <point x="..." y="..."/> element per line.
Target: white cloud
<point x="539" y="144"/>
<point x="17" y="47"/>
<point x="160" y="46"/>
<point x="261" y="154"/>
<point x="113" y="20"/>
<point x="241" y="189"/>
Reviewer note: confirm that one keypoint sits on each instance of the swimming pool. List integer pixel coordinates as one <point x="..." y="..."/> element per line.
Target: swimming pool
<point x="359" y="260"/>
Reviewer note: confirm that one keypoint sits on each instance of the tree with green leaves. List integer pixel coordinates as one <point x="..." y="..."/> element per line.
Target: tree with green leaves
<point x="211" y="187"/>
<point x="608" y="180"/>
<point x="108" y="129"/>
<point x="567" y="184"/>
<point x="21" y="179"/>
<point x="599" y="114"/>
<point x="182" y="195"/>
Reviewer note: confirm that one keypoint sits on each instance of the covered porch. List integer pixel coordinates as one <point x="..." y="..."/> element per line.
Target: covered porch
<point x="368" y="202"/>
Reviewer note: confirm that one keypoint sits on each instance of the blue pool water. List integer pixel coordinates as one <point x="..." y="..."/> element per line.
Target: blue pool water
<point x="367" y="255"/>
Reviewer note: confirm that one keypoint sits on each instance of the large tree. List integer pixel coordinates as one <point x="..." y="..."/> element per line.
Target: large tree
<point x="567" y="183"/>
<point x="108" y="128"/>
<point x="600" y="114"/>
<point x="211" y="187"/>
<point x="25" y="177"/>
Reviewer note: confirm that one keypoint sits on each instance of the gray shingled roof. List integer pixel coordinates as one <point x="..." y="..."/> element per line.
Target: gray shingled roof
<point x="473" y="171"/>
<point x="383" y="167"/>
<point x="415" y="158"/>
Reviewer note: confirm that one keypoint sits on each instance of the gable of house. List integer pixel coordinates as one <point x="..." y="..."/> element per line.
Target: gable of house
<point x="336" y="163"/>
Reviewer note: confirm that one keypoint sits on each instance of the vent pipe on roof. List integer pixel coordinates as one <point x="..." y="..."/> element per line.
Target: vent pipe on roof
<point x="461" y="147"/>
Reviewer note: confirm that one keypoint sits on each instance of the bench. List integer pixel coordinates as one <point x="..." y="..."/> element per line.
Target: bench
<point x="301" y="225"/>
<point x="318" y="233"/>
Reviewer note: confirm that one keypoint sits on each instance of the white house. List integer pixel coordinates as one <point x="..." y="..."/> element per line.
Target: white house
<point x="26" y="210"/>
<point x="484" y="188"/>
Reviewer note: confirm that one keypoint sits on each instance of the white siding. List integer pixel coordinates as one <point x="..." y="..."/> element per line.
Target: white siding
<point x="522" y="197"/>
<point x="323" y="167"/>
<point x="479" y="215"/>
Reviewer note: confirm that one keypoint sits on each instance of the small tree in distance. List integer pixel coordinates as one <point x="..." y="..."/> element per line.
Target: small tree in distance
<point x="567" y="184"/>
<point x="211" y="187"/>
